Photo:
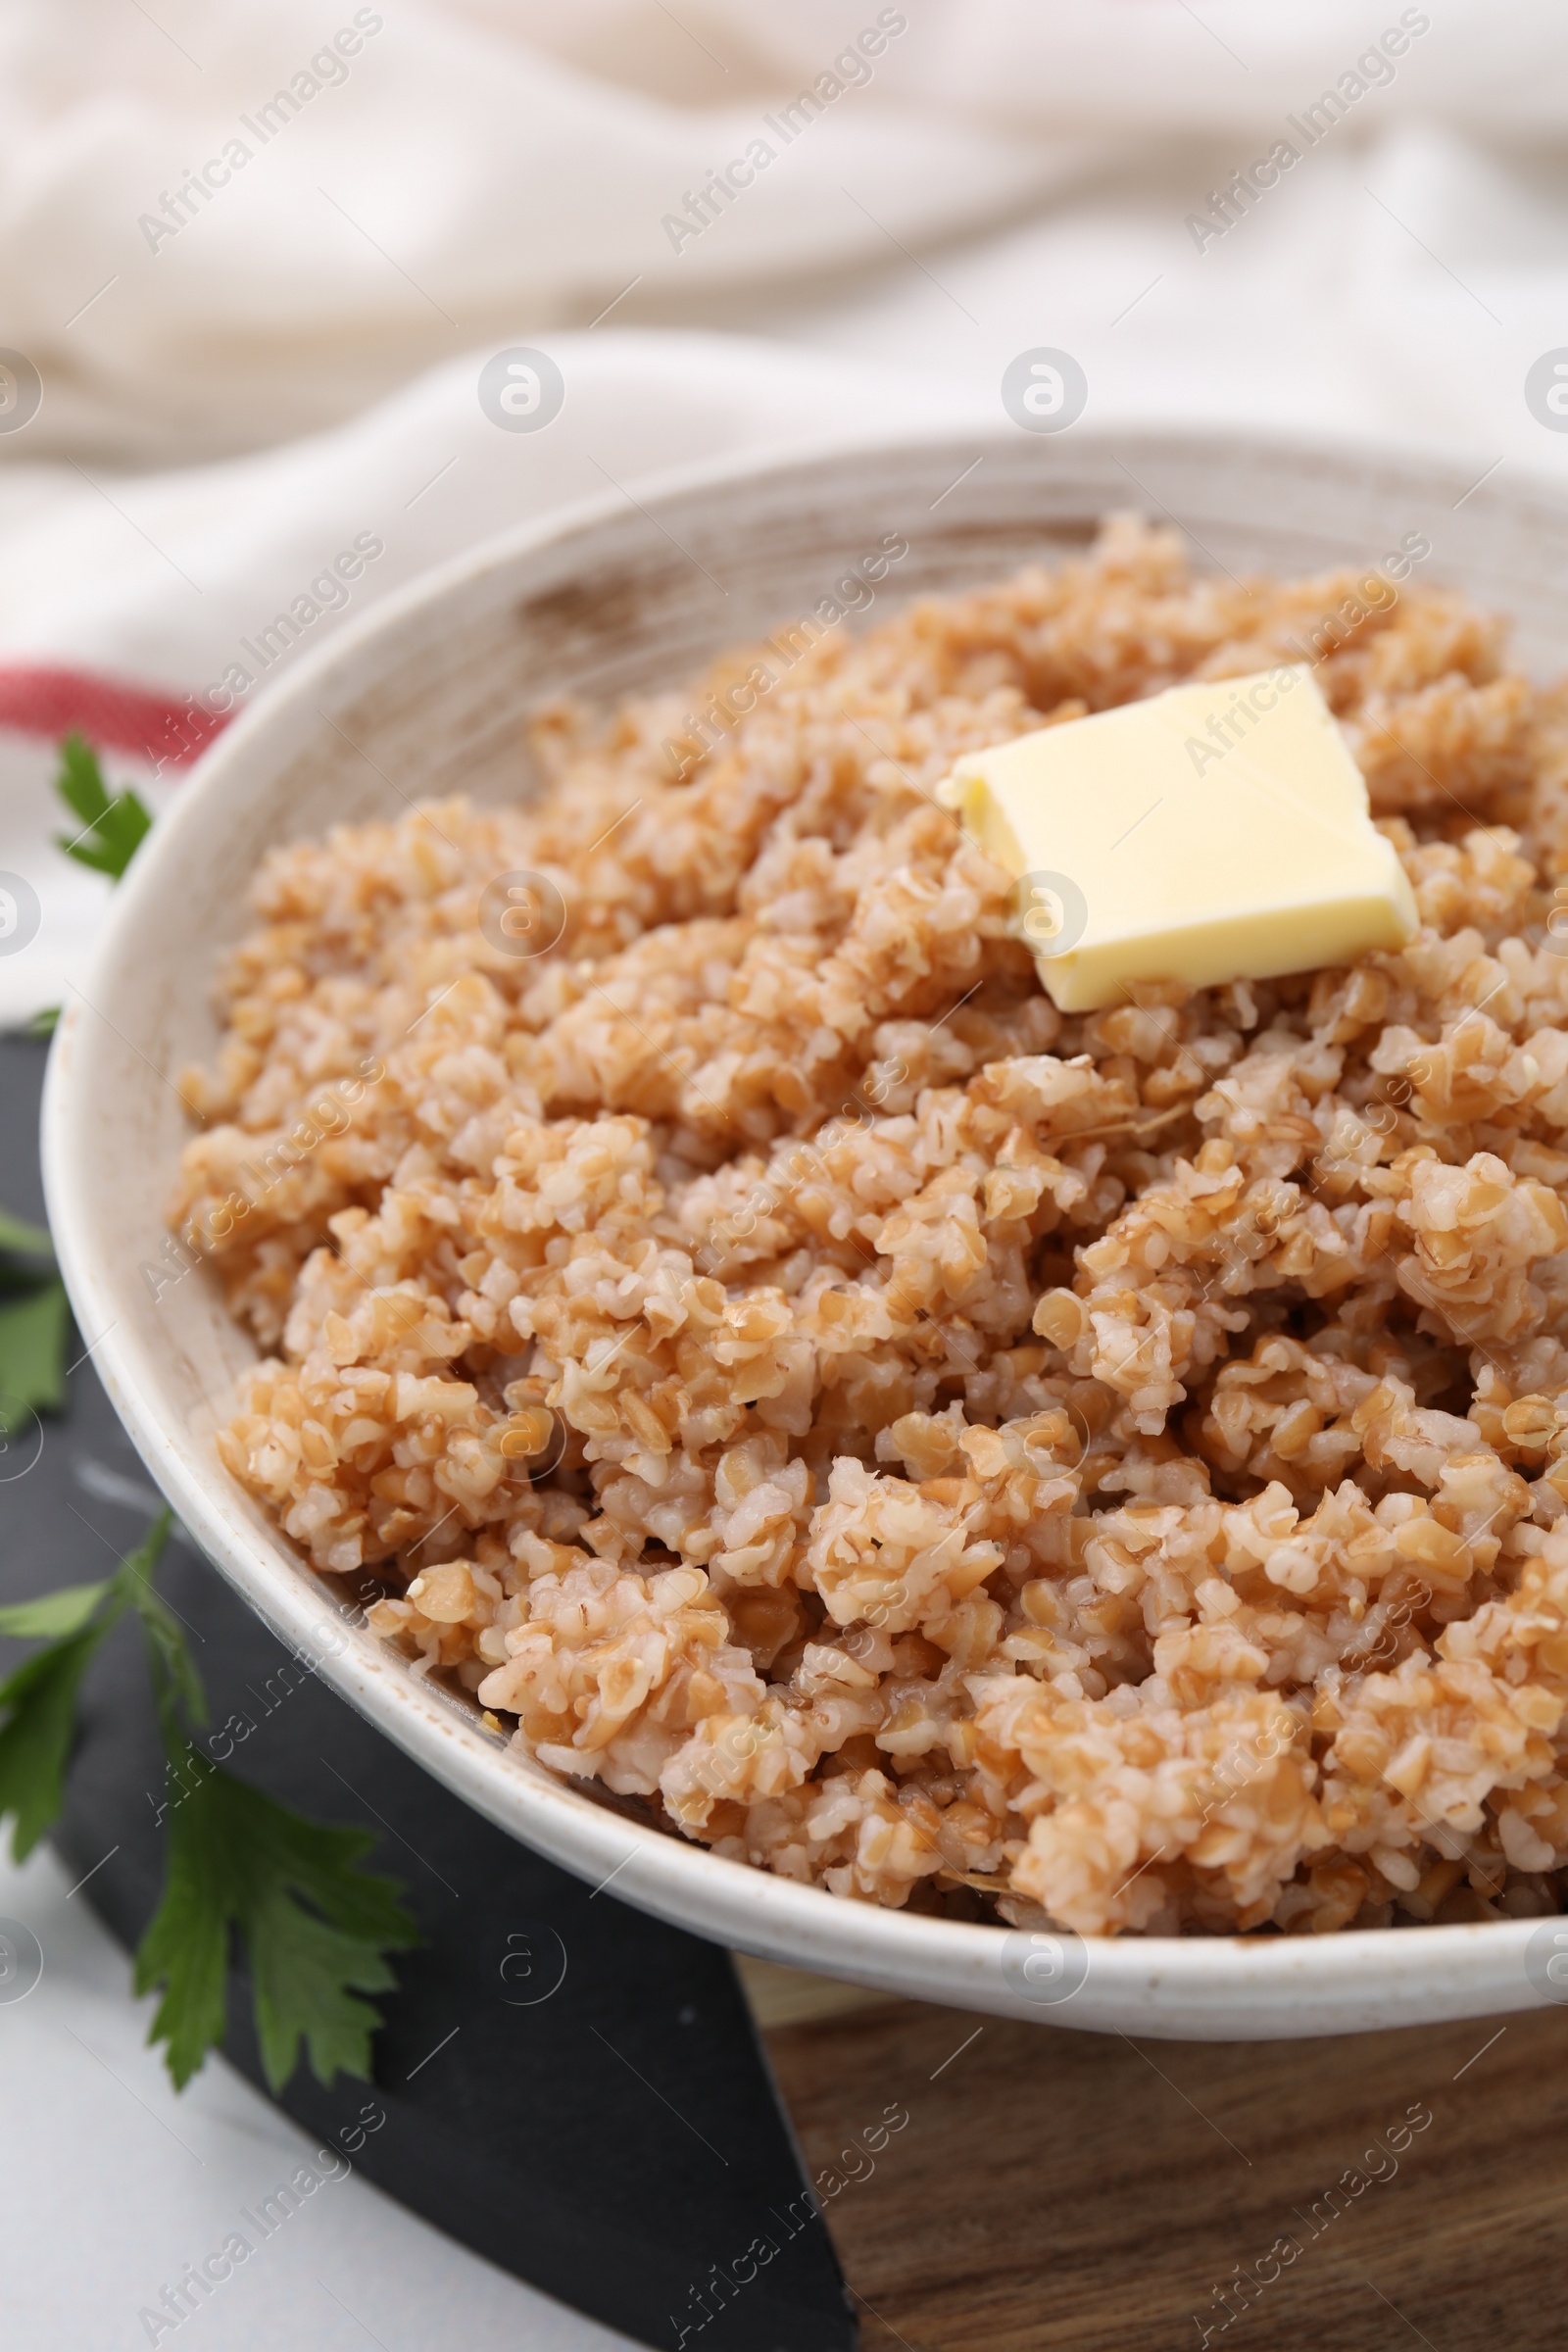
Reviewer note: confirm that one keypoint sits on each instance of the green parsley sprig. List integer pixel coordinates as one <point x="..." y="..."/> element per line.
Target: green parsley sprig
<point x="33" y="1322"/>
<point x="114" y="825"/>
<point x="34" y="1317"/>
<point x="316" y="1925"/>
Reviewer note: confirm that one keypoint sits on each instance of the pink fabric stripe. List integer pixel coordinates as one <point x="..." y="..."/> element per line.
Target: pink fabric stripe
<point x="36" y="699"/>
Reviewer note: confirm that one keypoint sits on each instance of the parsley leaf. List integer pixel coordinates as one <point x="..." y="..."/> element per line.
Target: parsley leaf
<point x="33" y="1321"/>
<point x="235" y="1857"/>
<point x="317" y="1926"/>
<point x="18" y="1239"/>
<point x="40" y="1702"/>
<point x="35" y="1743"/>
<point x="33" y="1355"/>
<point x="113" y="828"/>
<point x="52" y="1614"/>
<point x="40" y="1697"/>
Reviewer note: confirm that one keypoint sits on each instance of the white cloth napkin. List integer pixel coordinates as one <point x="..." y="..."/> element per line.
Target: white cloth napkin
<point x="224" y="225"/>
<point x="172" y="579"/>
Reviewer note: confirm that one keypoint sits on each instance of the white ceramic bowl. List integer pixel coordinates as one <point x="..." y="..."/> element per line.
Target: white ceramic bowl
<point x="427" y="695"/>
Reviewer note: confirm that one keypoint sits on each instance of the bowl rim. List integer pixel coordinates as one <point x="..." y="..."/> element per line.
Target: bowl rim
<point x="739" y="1904"/>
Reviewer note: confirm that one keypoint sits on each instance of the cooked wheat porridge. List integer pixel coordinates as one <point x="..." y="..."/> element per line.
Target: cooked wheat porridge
<point x="1109" y="1468"/>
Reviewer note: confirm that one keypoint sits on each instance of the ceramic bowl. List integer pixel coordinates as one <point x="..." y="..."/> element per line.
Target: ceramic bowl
<point x="427" y="695"/>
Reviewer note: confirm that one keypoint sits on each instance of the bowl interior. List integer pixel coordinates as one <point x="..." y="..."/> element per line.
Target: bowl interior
<point x="427" y="695"/>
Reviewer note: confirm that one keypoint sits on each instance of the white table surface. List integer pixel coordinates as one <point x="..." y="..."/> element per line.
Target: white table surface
<point x="109" y="2184"/>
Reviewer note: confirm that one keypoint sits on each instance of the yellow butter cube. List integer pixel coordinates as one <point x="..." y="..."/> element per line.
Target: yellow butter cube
<point x="1218" y="832"/>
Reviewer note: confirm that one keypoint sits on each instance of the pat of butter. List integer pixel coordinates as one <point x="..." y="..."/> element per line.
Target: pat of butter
<point x="1219" y="831"/>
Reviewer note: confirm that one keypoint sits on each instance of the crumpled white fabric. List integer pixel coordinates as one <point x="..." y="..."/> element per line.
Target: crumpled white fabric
<point x="480" y="166"/>
<point x="466" y="171"/>
<point x="170" y="578"/>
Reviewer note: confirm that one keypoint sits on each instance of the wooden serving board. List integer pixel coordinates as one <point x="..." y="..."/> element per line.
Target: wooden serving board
<point x="1081" y="2191"/>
